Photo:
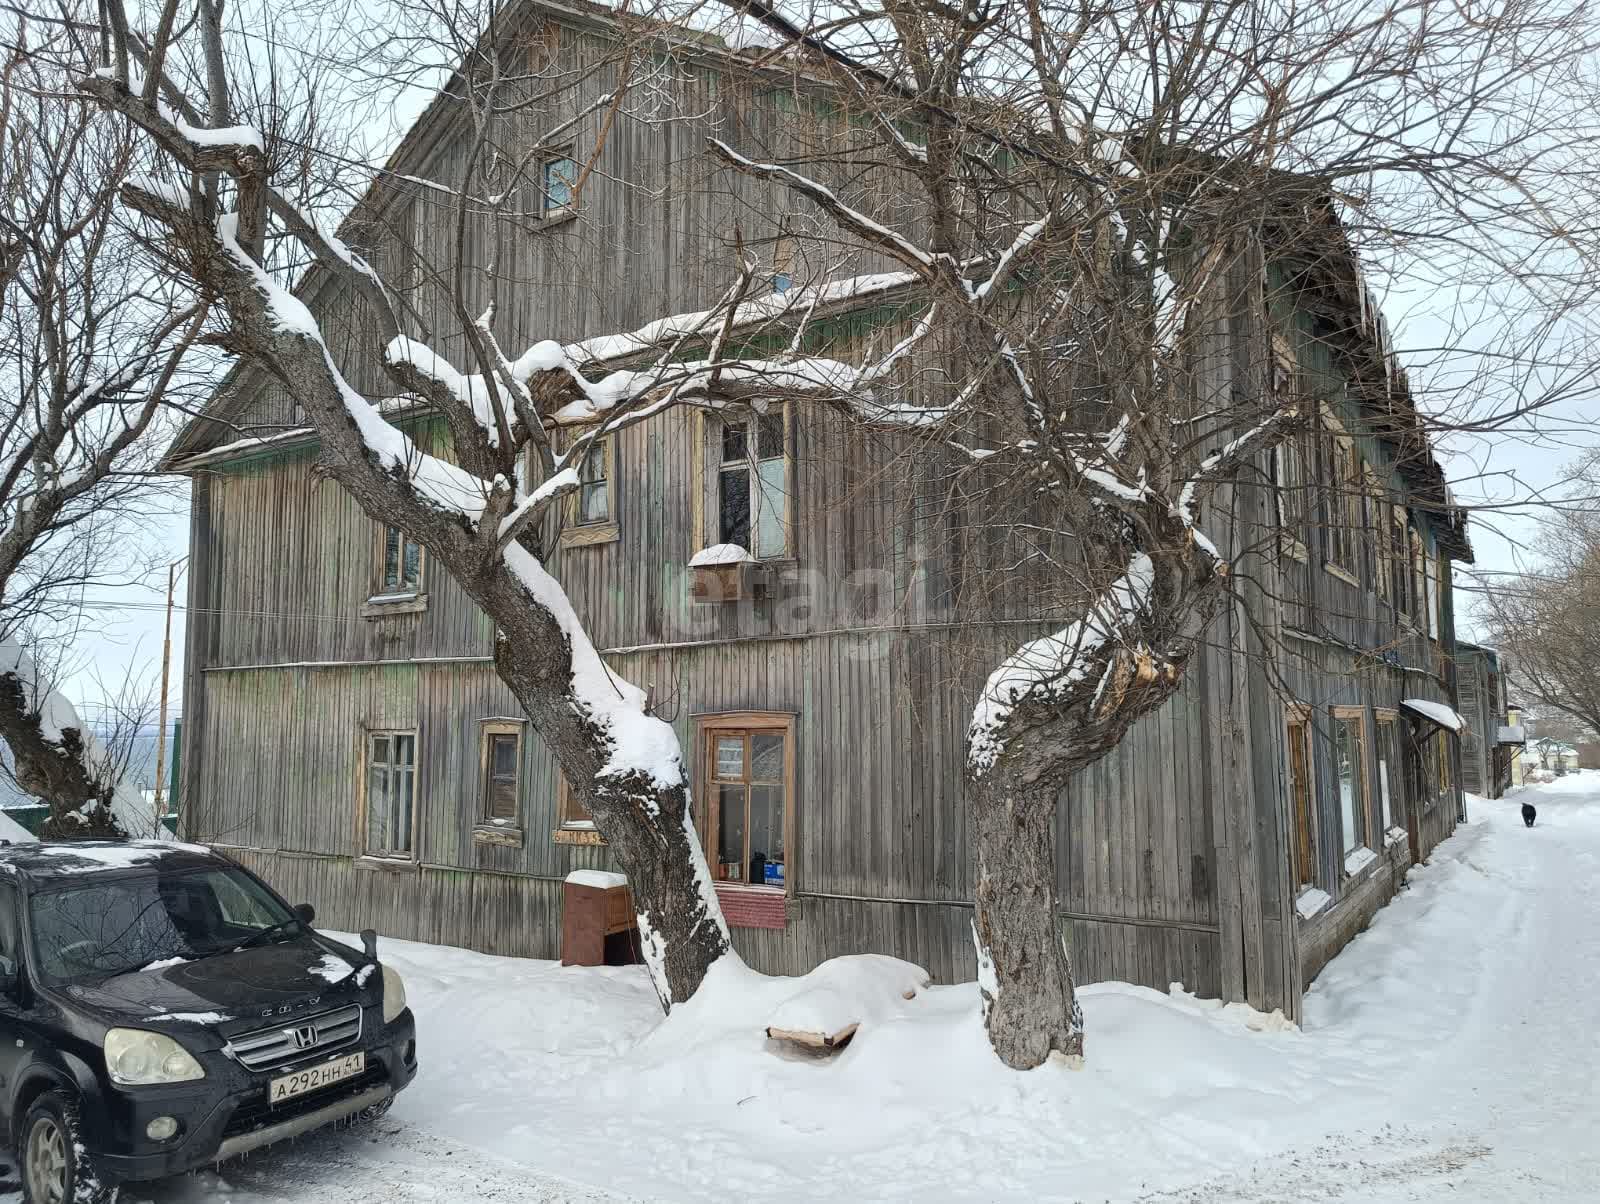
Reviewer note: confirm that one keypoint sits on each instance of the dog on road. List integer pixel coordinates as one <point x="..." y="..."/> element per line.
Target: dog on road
<point x="1529" y="814"/>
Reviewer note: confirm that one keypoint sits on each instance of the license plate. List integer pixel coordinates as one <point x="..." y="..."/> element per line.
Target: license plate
<point x="315" y="1078"/>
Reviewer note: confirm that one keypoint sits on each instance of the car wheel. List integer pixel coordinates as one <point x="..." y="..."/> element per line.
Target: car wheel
<point x="374" y="1112"/>
<point x="55" y="1170"/>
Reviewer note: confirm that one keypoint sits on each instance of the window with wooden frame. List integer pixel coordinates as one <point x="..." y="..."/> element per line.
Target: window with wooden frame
<point x="1349" y="751"/>
<point x="1298" y="728"/>
<point x="1388" y="765"/>
<point x="1376" y="537"/>
<point x="1436" y="578"/>
<point x="1340" y="492"/>
<point x="591" y="516"/>
<point x="747" y="762"/>
<point x="388" y="794"/>
<point x="558" y="182"/>
<point x="1419" y="579"/>
<point x="1446" y="765"/>
<point x="745" y="496"/>
<point x="400" y="567"/>
<point x="1289" y="472"/>
<point x="576" y="824"/>
<point x="500" y="771"/>
<point x="1400" y="561"/>
<point x="544" y="44"/>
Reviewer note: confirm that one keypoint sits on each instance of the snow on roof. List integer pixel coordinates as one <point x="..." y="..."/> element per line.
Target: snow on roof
<point x="11" y="830"/>
<point x="1435" y="711"/>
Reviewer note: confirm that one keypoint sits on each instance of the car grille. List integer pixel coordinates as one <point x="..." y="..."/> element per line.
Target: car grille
<point x="268" y="1047"/>
<point x="256" y="1112"/>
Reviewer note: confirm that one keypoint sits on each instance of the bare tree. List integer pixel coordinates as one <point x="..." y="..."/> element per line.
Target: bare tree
<point x="1547" y="621"/>
<point x="1081" y="198"/>
<point x="1089" y="197"/>
<point x="91" y="342"/>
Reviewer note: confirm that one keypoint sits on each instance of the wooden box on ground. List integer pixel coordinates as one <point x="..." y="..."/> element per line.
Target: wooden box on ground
<point x="598" y="924"/>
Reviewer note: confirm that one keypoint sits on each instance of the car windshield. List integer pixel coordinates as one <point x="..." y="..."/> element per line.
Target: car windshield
<point x="105" y="928"/>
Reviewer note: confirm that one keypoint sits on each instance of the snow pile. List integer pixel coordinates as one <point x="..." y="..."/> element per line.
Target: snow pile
<point x="1425" y="1023"/>
<point x="720" y="554"/>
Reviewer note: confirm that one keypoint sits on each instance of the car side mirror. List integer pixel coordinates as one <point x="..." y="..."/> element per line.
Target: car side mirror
<point x="305" y="913"/>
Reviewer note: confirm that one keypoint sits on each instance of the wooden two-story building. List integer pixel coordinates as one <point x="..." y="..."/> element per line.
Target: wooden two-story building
<point x="346" y="734"/>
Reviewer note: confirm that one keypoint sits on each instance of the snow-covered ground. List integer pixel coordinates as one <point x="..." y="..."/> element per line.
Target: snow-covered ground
<point x="1449" y="1052"/>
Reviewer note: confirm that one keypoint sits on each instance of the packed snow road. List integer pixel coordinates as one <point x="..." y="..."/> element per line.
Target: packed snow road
<point x="1449" y="1053"/>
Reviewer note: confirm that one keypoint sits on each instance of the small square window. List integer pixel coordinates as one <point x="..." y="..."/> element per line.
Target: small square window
<point x="557" y="176"/>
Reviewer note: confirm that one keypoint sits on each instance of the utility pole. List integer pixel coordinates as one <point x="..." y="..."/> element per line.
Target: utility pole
<point x="166" y="670"/>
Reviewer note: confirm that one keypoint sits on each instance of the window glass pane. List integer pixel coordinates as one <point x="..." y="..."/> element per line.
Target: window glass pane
<point x="773" y="483"/>
<point x="559" y="175"/>
<point x="380" y="750"/>
<point x="733" y="441"/>
<point x="730" y="834"/>
<point x="593" y="467"/>
<point x="734" y="507"/>
<point x="503" y="756"/>
<point x="402" y="811"/>
<point x="730" y="758"/>
<point x="377" y="809"/>
<point x="1346" y="753"/>
<point x="594" y="502"/>
<point x="413" y="564"/>
<point x="769" y="433"/>
<point x="403" y="749"/>
<point x="766" y="756"/>
<point x="766" y="823"/>
<point x="391" y="557"/>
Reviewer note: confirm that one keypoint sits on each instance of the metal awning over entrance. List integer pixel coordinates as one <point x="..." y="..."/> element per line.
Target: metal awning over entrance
<point x="1436" y="713"/>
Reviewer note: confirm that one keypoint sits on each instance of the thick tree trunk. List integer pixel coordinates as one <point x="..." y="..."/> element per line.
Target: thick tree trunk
<point x="1024" y="971"/>
<point x="54" y="771"/>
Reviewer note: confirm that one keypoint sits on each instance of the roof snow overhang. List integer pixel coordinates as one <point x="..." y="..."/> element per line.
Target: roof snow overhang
<point x="1435" y="713"/>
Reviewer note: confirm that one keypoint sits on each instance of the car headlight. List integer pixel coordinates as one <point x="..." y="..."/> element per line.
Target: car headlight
<point x="394" y="995"/>
<point x="139" y="1058"/>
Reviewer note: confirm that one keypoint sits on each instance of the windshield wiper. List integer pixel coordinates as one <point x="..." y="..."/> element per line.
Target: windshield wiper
<point x="257" y="937"/>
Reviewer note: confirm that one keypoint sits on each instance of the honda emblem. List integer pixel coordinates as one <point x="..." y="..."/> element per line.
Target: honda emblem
<point x="305" y="1036"/>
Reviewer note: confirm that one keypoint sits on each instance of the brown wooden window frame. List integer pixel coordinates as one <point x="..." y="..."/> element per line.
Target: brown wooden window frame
<point x="364" y="803"/>
<point x="1386" y="729"/>
<point x="1341" y="500"/>
<point x="1302" y="801"/>
<point x="708" y="729"/>
<point x="711" y="463"/>
<point x="1400" y="562"/>
<point x="575" y="532"/>
<point x="490" y="733"/>
<point x="400" y="586"/>
<point x="574" y="823"/>
<point x="1360" y="814"/>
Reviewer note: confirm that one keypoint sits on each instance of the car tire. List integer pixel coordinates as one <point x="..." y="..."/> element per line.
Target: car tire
<point x="374" y="1112"/>
<point x="52" y="1164"/>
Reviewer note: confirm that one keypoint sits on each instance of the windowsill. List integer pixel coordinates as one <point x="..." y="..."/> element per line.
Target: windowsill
<point x="501" y="834"/>
<point x="590" y="534"/>
<point x="393" y="865"/>
<point x="753" y="887"/>
<point x="1311" y="902"/>
<point x="557" y="217"/>
<point x="1358" y="861"/>
<point x="1344" y="575"/>
<point x="577" y="834"/>
<point x="1294" y="549"/>
<point x="385" y="606"/>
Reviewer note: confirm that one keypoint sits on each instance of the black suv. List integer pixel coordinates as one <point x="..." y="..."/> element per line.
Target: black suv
<point x="162" y="1008"/>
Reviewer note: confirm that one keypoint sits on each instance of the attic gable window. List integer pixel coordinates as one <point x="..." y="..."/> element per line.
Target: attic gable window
<point x="749" y="482"/>
<point x="558" y="175"/>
